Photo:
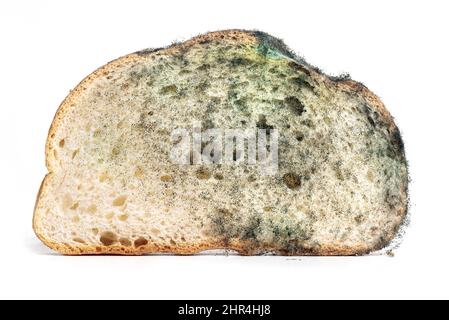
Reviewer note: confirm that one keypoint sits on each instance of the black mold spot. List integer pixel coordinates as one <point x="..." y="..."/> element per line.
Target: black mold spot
<point x="202" y="86"/>
<point x="303" y="82"/>
<point x="308" y="123"/>
<point x="371" y="121"/>
<point x="204" y="67"/>
<point x="213" y="103"/>
<point x="300" y="67"/>
<point x="397" y="141"/>
<point x="241" y="102"/>
<point x="382" y="242"/>
<point x="290" y="231"/>
<point x="239" y="61"/>
<point x="395" y="148"/>
<point x="148" y="51"/>
<point x="136" y="77"/>
<point x="372" y="116"/>
<point x="339" y="174"/>
<point x="252" y="228"/>
<point x="208" y="124"/>
<point x="224" y="224"/>
<point x="341" y="77"/>
<point x="232" y="94"/>
<point x="392" y="199"/>
<point x="181" y="58"/>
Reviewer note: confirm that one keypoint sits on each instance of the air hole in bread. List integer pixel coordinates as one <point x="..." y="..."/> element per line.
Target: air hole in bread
<point x="67" y="201"/>
<point x="299" y="136"/>
<point x="295" y="105"/>
<point x="125" y="242"/>
<point x="95" y="231"/>
<point x="166" y="178"/>
<point x="155" y="231"/>
<point x="218" y="176"/>
<point x="108" y="238"/>
<point x="139" y="172"/>
<point x="171" y="89"/>
<point x="252" y="178"/>
<point x="370" y="176"/>
<point x="97" y="133"/>
<point x="119" y="201"/>
<point x="75" y="153"/>
<point x="203" y="174"/>
<point x="339" y="174"/>
<point x="120" y="124"/>
<point x="103" y="177"/>
<point x="123" y="217"/>
<point x="359" y="219"/>
<point x="292" y="180"/>
<point x="110" y="215"/>
<point x="92" y="209"/>
<point x="79" y="240"/>
<point x="62" y="143"/>
<point x="140" y="242"/>
<point x="75" y="206"/>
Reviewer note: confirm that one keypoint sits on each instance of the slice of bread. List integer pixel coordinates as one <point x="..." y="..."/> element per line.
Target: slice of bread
<point x="339" y="188"/>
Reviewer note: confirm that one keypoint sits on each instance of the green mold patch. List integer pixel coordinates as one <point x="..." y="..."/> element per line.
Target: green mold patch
<point x="270" y="230"/>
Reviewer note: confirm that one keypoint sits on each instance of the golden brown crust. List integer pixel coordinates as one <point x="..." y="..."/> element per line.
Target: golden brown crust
<point x="241" y="36"/>
<point x="67" y="249"/>
<point x="38" y="197"/>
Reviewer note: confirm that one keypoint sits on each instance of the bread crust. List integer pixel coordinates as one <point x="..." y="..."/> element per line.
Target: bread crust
<point x="239" y="36"/>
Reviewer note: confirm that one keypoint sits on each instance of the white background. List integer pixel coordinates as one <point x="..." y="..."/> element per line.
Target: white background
<point x="399" y="49"/>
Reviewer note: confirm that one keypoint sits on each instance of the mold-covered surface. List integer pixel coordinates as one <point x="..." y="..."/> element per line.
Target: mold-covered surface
<point x="341" y="185"/>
